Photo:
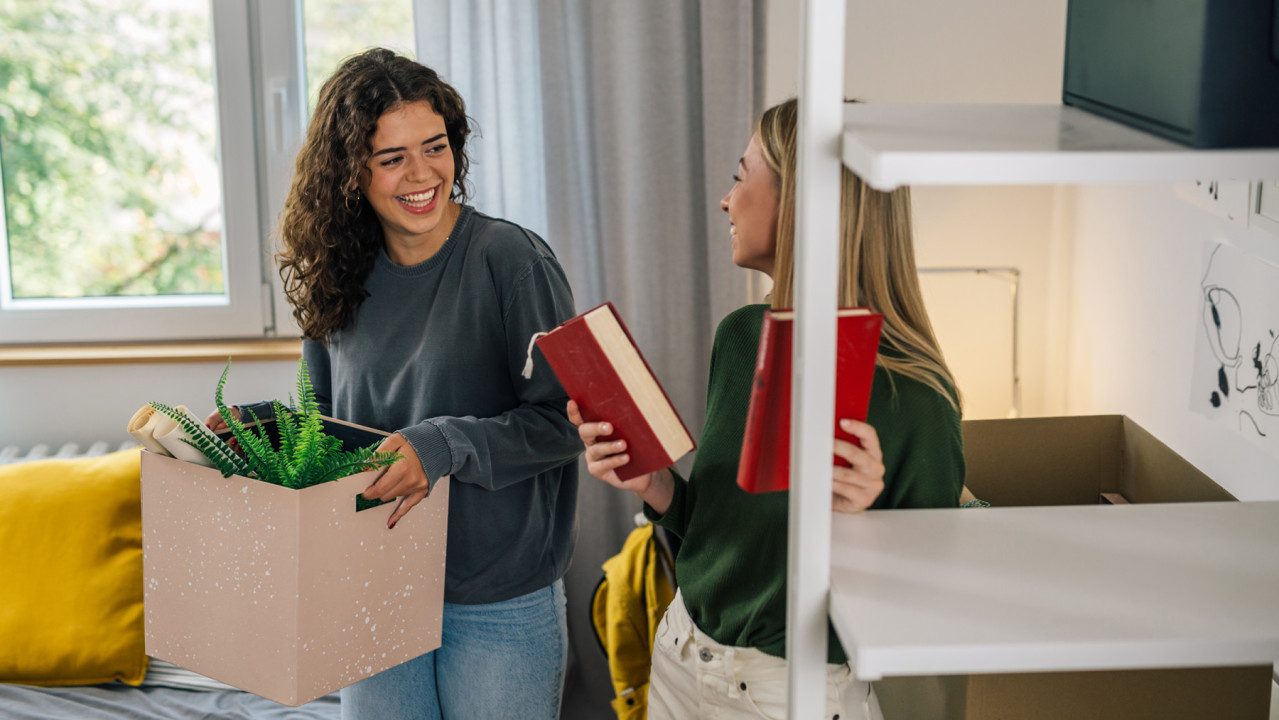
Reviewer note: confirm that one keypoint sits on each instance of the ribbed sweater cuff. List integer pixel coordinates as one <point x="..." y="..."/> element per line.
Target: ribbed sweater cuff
<point x="432" y="450"/>
<point x="260" y="410"/>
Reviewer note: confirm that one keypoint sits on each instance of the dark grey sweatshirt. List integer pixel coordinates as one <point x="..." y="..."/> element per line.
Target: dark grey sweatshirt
<point x="436" y="352"/>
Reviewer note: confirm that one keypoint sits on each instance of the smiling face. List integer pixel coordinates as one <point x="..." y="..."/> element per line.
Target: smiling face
<point x="408" y="180"/>
<point x="752" y="207"/>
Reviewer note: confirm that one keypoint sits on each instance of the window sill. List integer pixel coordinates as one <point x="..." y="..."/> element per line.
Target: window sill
<point x="251" y="350"/>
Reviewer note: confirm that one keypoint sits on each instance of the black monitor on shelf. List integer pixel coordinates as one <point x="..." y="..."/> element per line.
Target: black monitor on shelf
<point x="1204" y="73"/>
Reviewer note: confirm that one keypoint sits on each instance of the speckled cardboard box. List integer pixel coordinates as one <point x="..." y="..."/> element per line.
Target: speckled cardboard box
<point x="289" y="594"/>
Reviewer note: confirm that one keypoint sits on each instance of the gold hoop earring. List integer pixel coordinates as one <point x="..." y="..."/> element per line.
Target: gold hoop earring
<point x="347" y="200"/>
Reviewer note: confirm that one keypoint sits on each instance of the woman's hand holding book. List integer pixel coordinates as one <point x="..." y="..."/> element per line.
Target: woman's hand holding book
<point x="854" y="488"/>
<point x="604" y="457"/>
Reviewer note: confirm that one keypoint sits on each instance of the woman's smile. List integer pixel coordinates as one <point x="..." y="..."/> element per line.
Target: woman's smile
<point x="419" y="203"/>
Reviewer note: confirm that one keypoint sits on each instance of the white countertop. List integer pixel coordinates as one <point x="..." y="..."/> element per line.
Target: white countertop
<point x="987" y="590"/>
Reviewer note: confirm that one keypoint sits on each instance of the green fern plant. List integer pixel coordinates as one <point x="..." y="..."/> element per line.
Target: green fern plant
<point x="302" y="455"/>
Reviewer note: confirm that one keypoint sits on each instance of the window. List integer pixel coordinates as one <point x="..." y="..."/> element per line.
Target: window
<point x="336" y="29"/>
<point x="118" y="213"/>
<point x="109" y="155"/>
<point x="146" y="147"/>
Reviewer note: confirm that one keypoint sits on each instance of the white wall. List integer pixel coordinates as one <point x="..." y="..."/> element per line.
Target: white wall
<point x="1110" y="274"/>
<point x="1138" y="265"/>
<point x="87" y="403"/>
<point x="976" y="51"/>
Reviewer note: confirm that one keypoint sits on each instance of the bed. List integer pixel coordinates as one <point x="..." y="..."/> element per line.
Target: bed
<point x="71" y="616"/>
<point x="153" y="700"/>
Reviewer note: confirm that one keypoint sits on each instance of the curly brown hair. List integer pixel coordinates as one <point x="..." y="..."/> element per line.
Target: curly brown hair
<point x="330" y="235"/>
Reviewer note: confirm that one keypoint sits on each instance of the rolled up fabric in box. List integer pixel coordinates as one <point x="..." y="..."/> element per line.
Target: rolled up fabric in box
<point x="142" y="428"/>
<point x="170" y="434"/>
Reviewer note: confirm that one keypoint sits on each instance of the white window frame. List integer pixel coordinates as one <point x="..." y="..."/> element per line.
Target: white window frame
<point x="261" y="106"/>
<point x="280" y="49"/>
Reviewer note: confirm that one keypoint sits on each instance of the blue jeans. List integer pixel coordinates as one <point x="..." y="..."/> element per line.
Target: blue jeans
<point x="496" y="661"/>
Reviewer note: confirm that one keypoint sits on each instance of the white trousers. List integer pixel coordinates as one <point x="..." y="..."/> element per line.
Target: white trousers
<point x="695" y="677"/>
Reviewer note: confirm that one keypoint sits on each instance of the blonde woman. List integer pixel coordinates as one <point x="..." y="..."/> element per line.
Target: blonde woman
<point x="721" y="646"/>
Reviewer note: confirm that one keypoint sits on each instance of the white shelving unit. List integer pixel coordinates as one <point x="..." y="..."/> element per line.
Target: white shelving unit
<point x="905" y="144"/>
<point x="818" y="169"/>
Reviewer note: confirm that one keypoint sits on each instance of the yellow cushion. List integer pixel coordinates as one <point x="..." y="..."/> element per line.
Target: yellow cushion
<point x="71" y="571"/>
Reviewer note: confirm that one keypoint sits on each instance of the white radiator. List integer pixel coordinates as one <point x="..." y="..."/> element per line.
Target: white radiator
<point x="14" y="454"/>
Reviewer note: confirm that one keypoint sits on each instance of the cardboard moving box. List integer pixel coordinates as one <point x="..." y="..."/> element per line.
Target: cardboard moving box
<point x="1075" y="461"/>
<point x="1072" y="460"/>
<point x="289" y="594"/>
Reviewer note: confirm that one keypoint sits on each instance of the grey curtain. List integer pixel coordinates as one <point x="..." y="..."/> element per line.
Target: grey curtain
<point x="643" y="111"/>
<point x="489" y="50"/>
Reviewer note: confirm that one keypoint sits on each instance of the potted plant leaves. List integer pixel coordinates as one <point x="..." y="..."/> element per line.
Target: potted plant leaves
<point x="292" y="450"/>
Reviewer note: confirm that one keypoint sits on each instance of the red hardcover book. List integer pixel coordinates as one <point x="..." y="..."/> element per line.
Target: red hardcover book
<point x="765" y="462"/>
<point x="601" y="368"/>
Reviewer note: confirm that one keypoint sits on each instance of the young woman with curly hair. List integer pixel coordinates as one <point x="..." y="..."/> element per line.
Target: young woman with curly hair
<point x="417" y="312"/>
<point x="720" y="650"/>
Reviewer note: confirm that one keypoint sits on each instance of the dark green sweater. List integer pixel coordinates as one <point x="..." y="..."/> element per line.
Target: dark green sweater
<point x="731" y="566"/>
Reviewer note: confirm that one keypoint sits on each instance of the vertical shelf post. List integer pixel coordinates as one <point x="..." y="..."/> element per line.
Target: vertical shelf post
<point x="819" y="164"/>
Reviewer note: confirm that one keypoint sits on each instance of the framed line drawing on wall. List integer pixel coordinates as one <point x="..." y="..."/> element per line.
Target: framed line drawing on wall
<point x="1235" y="379"/>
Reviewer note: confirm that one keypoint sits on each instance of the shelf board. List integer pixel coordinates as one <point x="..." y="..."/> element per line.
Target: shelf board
<point x="890" y="145"/>
<point x="1092" y="587"/>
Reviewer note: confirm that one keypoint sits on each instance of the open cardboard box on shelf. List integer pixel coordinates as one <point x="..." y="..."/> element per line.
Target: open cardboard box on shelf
<point x="1078" y="461"/>
<point x="289" y="594"/>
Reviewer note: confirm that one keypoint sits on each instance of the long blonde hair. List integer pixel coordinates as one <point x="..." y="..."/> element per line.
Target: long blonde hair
<point x="876" y="257"/>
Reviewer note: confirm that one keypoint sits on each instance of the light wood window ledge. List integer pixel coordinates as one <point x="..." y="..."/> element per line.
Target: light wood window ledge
<point x="248" y="350"/>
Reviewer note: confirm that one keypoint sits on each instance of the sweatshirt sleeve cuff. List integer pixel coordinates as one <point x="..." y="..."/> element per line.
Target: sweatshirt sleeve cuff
<point x="261" y="411"/>
<point x="673" y="518"/>
<point x="432" y="450"/>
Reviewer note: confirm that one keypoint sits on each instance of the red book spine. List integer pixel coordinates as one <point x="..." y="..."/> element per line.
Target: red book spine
<point x="855" y="370"/>
<point x="759" y="450"/>
<point x="765" y="460"/>
<point x="764" y="453"/>
<point x="589" y="378"/>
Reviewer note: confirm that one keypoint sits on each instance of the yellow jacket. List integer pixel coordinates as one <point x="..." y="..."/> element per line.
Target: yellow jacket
<point x="628" y="604"/>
